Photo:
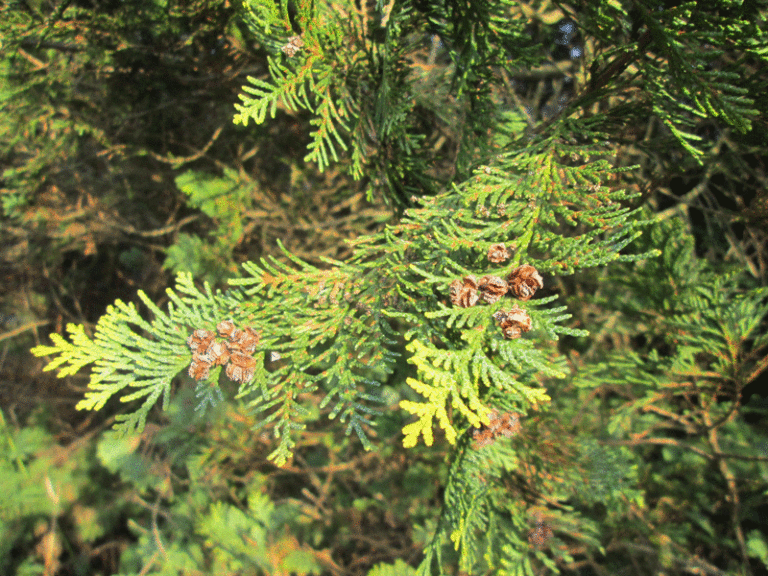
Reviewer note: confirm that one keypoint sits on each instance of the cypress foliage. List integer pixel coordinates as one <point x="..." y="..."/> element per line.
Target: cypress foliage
<point x="460" y="353"/>
<point x="463" y="276"/>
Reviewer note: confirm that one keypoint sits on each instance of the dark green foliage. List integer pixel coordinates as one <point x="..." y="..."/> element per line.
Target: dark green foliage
<point x="354" y="72"/>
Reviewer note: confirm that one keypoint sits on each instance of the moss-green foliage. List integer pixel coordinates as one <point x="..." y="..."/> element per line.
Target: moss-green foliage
<point x="630" y="391"/>
<point x="210" y="521"/>
<point x="43" y="485"/>
<point x="223" y="200"/>
<point x="214" y="524"/>
<point x="674" y="399"/>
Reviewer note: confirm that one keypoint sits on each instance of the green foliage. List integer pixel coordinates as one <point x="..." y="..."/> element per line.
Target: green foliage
<point x="490" y="528"/>
<point x="530" y="201"/>
<point x="118" y="354"/>
<point x="317" y="82"/>
<point x="399" y="568"/>
<point x="629" y="388"/>
<point x="676" y="397"/>
<point x="74" y="497"/>
<point x="22" y="499"/>
<point x="41" y="483"/>
<point x="355" y="73"/>
<point x="339" y="321"/>
<point x="675" y="56"/>
<point x="213" y="519"/>
<point x="223" y="200"/>
<point x="223" y="537"/>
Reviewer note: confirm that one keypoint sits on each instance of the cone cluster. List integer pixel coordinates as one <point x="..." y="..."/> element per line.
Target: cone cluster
<point x="234" y="352"/>
<point x="521" y="283"/>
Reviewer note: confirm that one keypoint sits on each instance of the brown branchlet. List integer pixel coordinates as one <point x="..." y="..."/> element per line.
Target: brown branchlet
<point x="234" y="353"/>
<point x="295" y="43"/>
<point x="507" y="425"/>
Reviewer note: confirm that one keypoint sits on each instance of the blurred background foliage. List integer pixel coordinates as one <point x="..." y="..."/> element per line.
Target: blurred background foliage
<point x="121" y="166"/>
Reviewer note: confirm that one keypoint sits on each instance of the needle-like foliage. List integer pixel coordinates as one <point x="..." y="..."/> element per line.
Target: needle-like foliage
<point x="455" y="307"/>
